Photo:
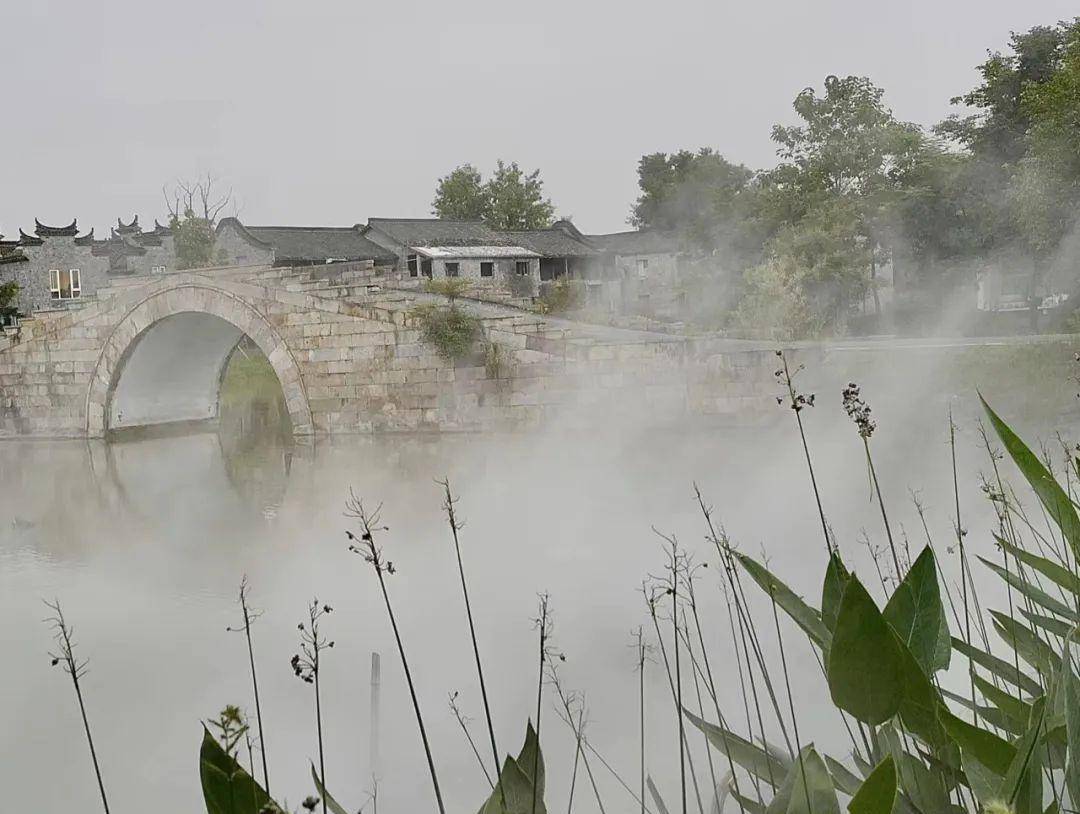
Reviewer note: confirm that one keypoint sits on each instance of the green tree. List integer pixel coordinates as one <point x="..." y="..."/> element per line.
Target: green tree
<point x="461" y="195"/>
<point x="699" y="195"/>
<point x="8" y="292"/>
<point x="516" y="199"/>
<point x="194" y="207"/>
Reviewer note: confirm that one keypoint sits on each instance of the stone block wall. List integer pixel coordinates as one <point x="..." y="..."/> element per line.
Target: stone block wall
<point x="360" y="364"/>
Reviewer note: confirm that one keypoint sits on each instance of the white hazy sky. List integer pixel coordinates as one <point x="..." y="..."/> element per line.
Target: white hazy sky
<point x="326" y="112"/>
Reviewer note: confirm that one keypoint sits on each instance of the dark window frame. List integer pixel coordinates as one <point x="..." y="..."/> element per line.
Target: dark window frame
<point x="452" y="269"/>
<point x="487" y="268"/>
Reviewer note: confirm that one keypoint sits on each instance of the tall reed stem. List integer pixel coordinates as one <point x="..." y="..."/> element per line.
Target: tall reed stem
<point x="63" y="634"/>
<point x="249" y="617"/>
<point x="543" y="622"/>
<point x="455" y="526"/>
<point x="365" y="547"/>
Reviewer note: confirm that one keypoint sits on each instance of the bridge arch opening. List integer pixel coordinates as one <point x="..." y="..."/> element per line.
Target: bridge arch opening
<point x="164" y="362"/>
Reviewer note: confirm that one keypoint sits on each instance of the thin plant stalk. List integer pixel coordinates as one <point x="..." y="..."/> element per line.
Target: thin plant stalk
<point x="963" y="559"/>
<point x="64" y="633"/>
<point x="543" y="623"/>
<point x="365" y="547"/>
<point x="641" y="658"/>
<point x="306" y="664"/>
<point x="250" y="616"/>
<point x="468" y="736"/>
<point x="455" y="527"/>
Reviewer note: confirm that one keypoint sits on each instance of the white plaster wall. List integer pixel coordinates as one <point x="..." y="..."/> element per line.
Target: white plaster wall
<point x="173" y="372"/>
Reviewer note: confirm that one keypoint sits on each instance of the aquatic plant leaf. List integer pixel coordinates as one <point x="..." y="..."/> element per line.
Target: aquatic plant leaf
<point x="832" y="591"/>
<point x="747" y="804"/>
<point x="844" y="779"/>
<point x="654" y="792"/>
<point x="917" y="615"/>
<point x="1053" y="498"/>
<point x="811" y="790"/>
<point x="877" y="794"/>
<point x="759" y="762"/>
<point x="513" y="794"/>
<point x="227" y="787"/>
<point x="331" y="803"/>
<point x="1053" y="571"/>
<point x="864" y="665"/>
<point x="995" y="753"/>
<point x="1015" y="709"/>
<point x="1051" y="624"/>
<point x="926" y="788"/>
<point x="1072" y="718"/>
<point x="1004" y="670"/>
<point x="992" y="715"/>
<point x="920" y="699"/>
<point x="1023" y="785"/>
<point x="1031" y="591"/>
<point x="1026" y="643"/>
<point x="793" y="605"/>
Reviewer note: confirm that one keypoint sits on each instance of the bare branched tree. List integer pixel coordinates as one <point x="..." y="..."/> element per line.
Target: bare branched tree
<point x="202" y="198"/>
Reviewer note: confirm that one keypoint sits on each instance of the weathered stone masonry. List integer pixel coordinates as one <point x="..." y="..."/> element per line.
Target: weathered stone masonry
<point x="350" y="359"/>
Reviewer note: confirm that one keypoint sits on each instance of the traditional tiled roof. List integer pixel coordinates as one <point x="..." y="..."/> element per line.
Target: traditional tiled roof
<point x="128" y="228"/>
<point x="437" y="232"/>
<point x="161" y="230"/>
<point x="12" y="256"/>
<point x="560" y="240"/>
<point x="29" y="240"/>
<point x="116" y="247"/>
<point x="301" y="245"/>
<point x="41" y="230"/>
<point x="642" y="241"/>
<point x="85" y="240"/>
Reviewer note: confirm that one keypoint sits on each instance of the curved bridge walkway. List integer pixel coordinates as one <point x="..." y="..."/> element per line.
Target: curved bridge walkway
<point x="350" y="358"/>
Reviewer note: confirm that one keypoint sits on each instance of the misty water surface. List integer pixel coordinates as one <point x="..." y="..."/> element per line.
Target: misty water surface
<point x="145" y="542"/>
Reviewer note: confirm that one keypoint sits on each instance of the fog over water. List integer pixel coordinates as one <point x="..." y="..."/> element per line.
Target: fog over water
<point x="145" y="542"/>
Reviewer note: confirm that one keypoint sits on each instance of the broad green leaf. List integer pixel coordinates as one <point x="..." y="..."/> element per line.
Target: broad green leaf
<point x="1004" y="670"/>
<point x="1026" y="643"/>
<point x="995" y="753"/>
<point x="877" y="794"/>
<point x="331" y="803"/>
<point x="1057" y="504"/>
<point x="1031" y="591"/>
<point x="1053" y="571"/>
<point x="832" y="591"/>
<point x="807" y="788"/>
<point x="746" y="805"/>
<point x="1072" y="718"/>
<point x="918" y="617"/>
<point x="793" y="605"/>
<point x="812" y="792"/>
<point x="864" y="665"/>
<point x="920" y="701"/>
<point x="759" y="762"/>
<point x="227" y="787"/>
<point x="514" y="793"/>
<point x="1022" y="785"/>
<point x="927" y="789"/>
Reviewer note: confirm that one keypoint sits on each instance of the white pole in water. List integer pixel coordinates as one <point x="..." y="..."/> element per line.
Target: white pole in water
<point x="373" y="746"/>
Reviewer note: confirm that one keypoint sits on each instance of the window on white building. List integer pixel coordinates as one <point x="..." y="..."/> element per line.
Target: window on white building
<point x="410" y="262"/>
<point x="642" y="267"/>
<point x="157" y="269"/>
<point x="65" y="285"/>
<point x="522" y="268"/>
<point x="452" y="269"/>
<point x="487" y="269"/>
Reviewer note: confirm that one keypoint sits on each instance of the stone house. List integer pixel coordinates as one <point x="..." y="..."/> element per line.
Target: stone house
<point x="646" y="267"/>
<point x="56" y="267"/>
<point x="240" y="245"/>
<point x="438" y="249"/>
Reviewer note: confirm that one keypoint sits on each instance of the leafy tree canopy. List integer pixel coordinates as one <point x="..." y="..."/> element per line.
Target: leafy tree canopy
<point x="510" y="199"/>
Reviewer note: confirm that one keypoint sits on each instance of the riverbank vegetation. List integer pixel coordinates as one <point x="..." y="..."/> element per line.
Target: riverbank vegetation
<point x="949" y="703"/>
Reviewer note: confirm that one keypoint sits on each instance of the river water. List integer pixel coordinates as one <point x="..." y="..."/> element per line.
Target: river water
<point x="145" y="540"/>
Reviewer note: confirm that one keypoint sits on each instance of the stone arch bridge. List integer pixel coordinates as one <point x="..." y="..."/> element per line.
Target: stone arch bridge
<point x="349" y="358"/>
